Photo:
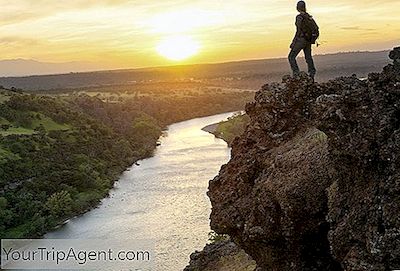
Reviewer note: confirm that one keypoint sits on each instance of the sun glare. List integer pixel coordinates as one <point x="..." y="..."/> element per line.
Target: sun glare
<point x="178" y="48"/>
<point x="184" y="21"/>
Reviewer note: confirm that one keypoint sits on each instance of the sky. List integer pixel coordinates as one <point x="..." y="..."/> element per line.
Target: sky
<point x="129" y="34"/>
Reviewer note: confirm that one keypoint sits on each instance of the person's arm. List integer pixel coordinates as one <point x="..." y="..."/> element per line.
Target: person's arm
<point x="299" y="21"/>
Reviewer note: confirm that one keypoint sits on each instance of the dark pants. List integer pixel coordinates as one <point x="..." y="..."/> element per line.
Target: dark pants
<point x="298" y="46"/>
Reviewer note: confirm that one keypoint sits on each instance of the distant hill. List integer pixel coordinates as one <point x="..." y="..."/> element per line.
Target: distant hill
<point x="241" y="74"/>
<point x="26" y="67"/>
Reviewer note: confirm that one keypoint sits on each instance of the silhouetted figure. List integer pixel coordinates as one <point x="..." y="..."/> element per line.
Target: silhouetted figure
<point x="307" y="34"/>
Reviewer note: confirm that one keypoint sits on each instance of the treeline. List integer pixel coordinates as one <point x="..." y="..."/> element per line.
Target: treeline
<point x="59" y="156"/>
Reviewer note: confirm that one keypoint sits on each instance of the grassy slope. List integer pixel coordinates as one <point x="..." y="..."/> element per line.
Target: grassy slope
<point x="4" y="97"/>
<point x="229" y="130"/>
<point x="15" y="129"/>
<point x="49" y="124"/>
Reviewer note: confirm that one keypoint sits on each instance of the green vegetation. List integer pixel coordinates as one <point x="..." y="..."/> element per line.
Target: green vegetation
<point x="55" y="161"/>
<point x="16" y="131"/>
<point x="4" y="97"/>
<point x="233" y="127"/>
<point x="47" y="123"/>
<point x="15" y="122"/>
<point x="60" y="154"/>
<point x="320" y="137"/>
<point x="214" y="237"/>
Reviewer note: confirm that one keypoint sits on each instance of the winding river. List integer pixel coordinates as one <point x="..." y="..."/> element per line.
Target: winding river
<point x="163" y="198"/>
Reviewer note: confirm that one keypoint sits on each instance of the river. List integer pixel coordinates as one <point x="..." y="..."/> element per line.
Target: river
<point x="163" y="198"/>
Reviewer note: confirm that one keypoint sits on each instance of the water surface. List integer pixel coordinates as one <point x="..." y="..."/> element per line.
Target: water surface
<point x="164" y="198"/>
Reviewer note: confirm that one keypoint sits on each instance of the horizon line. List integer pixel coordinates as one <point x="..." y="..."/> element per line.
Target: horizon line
<point x="165" y="66"/>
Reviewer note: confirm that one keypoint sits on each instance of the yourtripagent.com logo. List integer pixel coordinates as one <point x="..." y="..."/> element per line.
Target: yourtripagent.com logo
<point x="77" y="254"/>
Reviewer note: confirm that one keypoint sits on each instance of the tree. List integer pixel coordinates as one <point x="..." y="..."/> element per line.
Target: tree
<point x="5" y="127"/>
<point x="145" y="127"/>
<point x="41" y="130"/>
<point x="60" y="204"/>
<point x="3" y="203"/>
<point x="5" y="215"/>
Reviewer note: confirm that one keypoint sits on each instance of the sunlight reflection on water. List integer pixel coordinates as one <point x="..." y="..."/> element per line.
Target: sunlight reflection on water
<point x="163" y="199"/>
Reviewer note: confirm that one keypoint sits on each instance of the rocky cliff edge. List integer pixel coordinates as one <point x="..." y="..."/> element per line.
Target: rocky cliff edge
<point x="314" y="182"/>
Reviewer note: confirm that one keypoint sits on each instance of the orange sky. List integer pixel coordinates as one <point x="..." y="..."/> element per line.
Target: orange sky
<point x="127" y="34"/>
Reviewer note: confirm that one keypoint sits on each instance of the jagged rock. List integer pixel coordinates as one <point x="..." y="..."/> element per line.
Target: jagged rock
<point x="395" y="54"/>
<point x="262" y="197"/>
<point x="314" y="182"/>
<point x="221" y="256"/>
<point x="365" y="150"/>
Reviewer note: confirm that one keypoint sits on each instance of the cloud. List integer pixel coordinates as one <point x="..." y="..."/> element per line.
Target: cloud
<point x="357" y="28"/>
<point x="130" y="30"/>
<point x="17" y="41"/>
<point x="27" y="10"/>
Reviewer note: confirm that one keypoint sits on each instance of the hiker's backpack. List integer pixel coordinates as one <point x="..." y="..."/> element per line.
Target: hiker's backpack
<point x="310" y="28"/>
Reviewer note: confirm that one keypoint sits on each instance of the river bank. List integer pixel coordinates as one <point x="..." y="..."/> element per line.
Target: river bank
<point x="60" y="154"/>
<point x="222" y="254"/>
<point x="124" y="168"/>
<point x="164" y="198"/>
<point x="230" y="129"/>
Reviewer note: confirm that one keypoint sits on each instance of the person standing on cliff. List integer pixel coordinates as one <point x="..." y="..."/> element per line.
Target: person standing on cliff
<point x="307" y="34"/>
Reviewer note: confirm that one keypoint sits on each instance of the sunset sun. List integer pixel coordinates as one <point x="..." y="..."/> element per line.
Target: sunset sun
<point x="178" y="48"/>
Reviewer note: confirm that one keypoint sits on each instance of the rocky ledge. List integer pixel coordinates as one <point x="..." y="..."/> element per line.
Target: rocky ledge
<point x="221" y="256"/>
<point x="314" y="182"/>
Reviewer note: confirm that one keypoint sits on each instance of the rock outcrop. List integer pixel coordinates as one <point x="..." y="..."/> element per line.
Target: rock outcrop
<point x="314" y="182"/>
<point x="221" y="256"/>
